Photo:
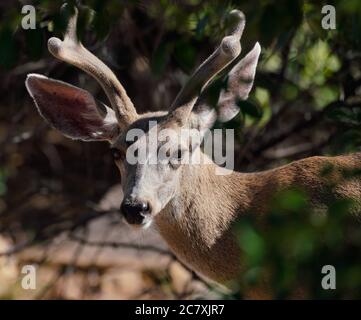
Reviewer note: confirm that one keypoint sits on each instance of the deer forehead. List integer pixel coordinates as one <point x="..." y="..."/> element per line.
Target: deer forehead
<point x="152" y="128"/>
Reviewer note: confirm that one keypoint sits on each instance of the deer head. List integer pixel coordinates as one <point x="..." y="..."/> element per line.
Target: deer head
<point x="148" y="185"/>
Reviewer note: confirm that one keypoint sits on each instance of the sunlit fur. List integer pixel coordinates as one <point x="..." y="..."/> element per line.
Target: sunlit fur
<point x="197" y="209"/>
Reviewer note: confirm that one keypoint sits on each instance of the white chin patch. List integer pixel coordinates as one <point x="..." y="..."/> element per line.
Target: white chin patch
<point x="147" y="223"/>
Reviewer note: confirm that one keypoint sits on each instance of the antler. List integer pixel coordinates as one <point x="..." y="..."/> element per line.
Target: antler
<point x="228" y="50"/>
<point x="73" y="52"/>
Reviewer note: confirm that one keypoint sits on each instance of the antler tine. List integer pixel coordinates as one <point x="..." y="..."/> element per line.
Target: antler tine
<point x="227" y="51"/>
<point x="73" y="52"/>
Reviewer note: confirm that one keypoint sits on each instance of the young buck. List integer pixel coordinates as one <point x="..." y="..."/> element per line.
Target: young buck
<point x="193" y="208"/>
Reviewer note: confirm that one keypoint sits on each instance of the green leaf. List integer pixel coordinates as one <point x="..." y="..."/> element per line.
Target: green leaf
<point x="252" y="244"/>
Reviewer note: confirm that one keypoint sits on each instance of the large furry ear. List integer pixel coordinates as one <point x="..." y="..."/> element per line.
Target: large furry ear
<point x="239" y="85"/>
<point x="72" y="110"/>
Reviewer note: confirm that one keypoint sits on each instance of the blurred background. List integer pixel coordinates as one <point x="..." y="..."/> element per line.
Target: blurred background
<point x="58" y="197"/>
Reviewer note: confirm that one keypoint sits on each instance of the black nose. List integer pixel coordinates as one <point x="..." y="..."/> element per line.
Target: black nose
<point x="135" y="211"/>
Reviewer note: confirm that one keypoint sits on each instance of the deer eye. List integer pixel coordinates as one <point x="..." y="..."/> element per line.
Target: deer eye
<point x="117" y="154"/>
<point x="176" y="159"/>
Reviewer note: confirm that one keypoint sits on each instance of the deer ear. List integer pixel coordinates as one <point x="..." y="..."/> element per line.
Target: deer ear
<point x="72" y="110"/>
<point x="240" y="83"/>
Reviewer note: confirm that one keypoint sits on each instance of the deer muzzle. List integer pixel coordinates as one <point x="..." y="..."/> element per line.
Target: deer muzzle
<point x="136" y="212"/>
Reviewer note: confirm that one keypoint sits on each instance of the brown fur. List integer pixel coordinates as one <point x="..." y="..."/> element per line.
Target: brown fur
<point x="202" y="235"/>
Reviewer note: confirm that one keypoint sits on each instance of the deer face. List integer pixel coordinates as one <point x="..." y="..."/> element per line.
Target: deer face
<point x="149" y="149"/>
<point x="150" y="155"/>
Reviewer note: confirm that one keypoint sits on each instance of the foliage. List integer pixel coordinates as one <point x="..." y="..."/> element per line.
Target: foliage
<point x="295" y="242"/>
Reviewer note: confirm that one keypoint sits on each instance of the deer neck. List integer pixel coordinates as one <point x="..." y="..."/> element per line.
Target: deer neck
<point x="197" y="223"/>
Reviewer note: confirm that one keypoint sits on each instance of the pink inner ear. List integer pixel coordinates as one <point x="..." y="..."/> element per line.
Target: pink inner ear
<point x="69" y="109"/>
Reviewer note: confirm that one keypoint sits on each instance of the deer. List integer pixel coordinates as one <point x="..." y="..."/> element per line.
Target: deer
<point x="194" y="209"/>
